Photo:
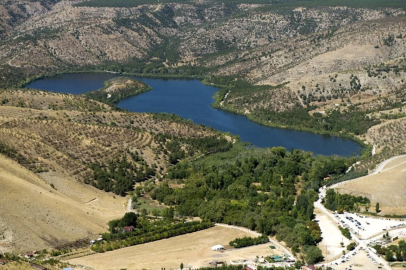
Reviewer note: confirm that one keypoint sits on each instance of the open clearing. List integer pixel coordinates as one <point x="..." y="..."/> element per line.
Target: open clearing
<point x="330" y="245"/>
<point x="377" y="187"/>
<point x="190" y="249"/>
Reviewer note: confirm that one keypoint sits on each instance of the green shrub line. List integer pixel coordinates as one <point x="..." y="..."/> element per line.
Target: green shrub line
<point x="247" y="241"/>
<point x="159" y="233"/>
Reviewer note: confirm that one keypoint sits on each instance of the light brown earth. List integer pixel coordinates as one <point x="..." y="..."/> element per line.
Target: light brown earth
<point x="330" y="245"/>
<point x="35" y="216"/>
<point x="387" y="187"/>
<point x="190" y="249"/>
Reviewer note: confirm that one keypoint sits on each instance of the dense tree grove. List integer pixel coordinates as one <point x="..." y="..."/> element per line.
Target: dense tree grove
<point x="393" y="252"/>
<point x="119" y="175"/>
<point x="343" y="202"/>
<point x="248" y="241"/>
<point x="255" y="188"/>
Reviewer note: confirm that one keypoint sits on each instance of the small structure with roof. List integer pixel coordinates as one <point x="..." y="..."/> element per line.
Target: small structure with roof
<point x="129" y="228"/>
<point x="217" y="248"/>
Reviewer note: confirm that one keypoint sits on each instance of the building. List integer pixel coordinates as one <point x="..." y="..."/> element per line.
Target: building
<point x="217" y="248"/>
<point x="129" y="228"/>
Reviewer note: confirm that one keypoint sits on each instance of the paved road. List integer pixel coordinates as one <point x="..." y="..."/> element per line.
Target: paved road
<point x="383" y="164"/>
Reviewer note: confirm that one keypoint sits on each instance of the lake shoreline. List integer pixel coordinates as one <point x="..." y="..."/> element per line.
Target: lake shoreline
<point x="362" y="147"/>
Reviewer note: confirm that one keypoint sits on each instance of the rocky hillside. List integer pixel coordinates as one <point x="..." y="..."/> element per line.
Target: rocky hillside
<point x="327" y="55"/>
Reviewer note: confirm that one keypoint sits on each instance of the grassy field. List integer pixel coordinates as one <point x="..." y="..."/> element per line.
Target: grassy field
<point x="386" y="187"/>
<point x="191" y="249"/>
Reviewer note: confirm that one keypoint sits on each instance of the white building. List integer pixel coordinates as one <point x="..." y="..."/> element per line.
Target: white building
<point x="217" y="248"/>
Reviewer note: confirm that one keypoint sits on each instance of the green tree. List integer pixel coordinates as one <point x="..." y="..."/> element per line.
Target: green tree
<point x="156" y="212"/>
<point x="168" y="213"/>
<point x="389" y="256"/>
<point x="181" y="266"/>
<point x="377" y="207"/>
<point x="129" y="219"/>
<point x="312" y="254"/>
<point x="351" y="246"/>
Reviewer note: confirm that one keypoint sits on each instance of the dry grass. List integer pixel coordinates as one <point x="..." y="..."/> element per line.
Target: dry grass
<point x="386" y="187"/>
<point x="35" y="216"/>
<point x="190" y="249"/>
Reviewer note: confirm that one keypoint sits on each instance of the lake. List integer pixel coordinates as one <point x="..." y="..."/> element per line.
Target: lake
<point x="191" y="99"/>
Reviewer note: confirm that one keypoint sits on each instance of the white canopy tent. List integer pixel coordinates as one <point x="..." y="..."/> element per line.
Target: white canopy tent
<point x="217" y="248"/>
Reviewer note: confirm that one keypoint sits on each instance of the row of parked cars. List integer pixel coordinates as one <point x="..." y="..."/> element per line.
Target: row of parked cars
<point x="372" y="259"/>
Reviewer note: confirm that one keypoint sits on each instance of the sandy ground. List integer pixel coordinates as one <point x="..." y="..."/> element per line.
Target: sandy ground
<point x="377" y="187"/>
<point x="359" y="261"/>
<point x="332" y="237"/>
<point x="190" y="249"/>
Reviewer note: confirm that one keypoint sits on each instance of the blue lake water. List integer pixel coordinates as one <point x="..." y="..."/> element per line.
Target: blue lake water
<point x="191" y="99"/>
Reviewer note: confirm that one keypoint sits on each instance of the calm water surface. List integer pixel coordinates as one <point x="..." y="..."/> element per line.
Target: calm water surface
<point x="191" y="99"/>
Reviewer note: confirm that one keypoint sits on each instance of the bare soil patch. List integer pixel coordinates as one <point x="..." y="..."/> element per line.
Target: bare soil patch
<point x="330" y="245"/>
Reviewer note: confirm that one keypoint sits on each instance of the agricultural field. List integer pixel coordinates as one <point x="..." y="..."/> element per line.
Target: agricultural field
<point x="191" y="249"/>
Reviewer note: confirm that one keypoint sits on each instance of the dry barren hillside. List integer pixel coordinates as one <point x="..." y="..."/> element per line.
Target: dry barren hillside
<point x="377" y="187"/>
<point x="36" y="216"/>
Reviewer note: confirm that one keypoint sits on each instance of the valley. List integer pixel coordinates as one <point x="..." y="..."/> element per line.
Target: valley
<point x="70" y="163"/>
